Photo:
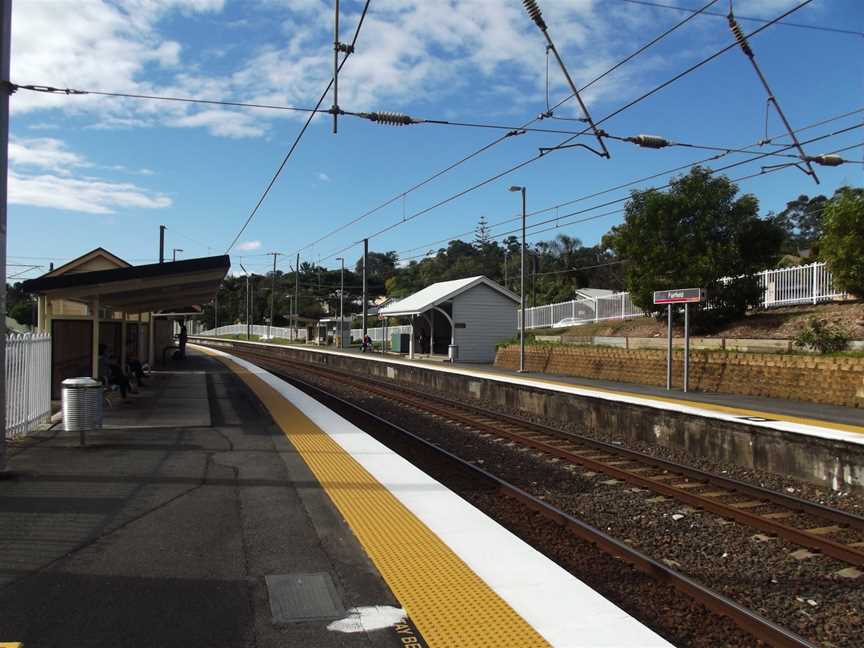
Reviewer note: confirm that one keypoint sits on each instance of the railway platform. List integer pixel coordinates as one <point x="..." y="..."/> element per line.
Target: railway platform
<point x="221" y="506"/>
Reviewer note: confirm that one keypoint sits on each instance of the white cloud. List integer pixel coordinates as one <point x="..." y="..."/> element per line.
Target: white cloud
<point x="247" y="246"/>
<point x="410" y="52"/>
<point x="44" y="153"/>
<point x="82" y="195"/>
<point x="323" y="177"/>
<point x="42" y="175"/>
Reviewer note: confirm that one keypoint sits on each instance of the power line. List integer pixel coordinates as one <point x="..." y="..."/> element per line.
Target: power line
<point x="658" y="5"/>
<point x="503" y="138"/>
<point x="302" y="131"/>
<point x="566" y="142"/>
<point x="558" y="218"/>
<point x="33" y="87"/>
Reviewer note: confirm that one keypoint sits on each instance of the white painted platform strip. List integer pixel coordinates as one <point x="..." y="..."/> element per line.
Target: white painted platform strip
<point x="619" y="396"/>
<point x="565" y="611"/>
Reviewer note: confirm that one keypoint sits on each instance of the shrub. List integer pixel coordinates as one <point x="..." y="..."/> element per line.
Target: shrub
<point x="823" y="337"/>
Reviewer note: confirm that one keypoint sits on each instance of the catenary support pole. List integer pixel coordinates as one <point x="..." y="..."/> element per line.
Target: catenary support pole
<point x="668" y="347"/>
<point x="365" y="295"/>
<point x="522" y="293"/>
<point x="297" y="298"/>
<point x="686" y="346"/>
<point x="342" y="303"/>
<point x="272" y="296"/>
<point x="161" y="244"/>
<point x="6" y="36"/>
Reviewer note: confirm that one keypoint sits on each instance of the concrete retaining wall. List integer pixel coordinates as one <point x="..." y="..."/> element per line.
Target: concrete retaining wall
<point x="832" y="380"/>
<point x="835" y="464"/>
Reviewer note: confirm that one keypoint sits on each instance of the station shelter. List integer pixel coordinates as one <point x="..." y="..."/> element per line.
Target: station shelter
<point x="98" y="298"/>
<point x="465" y="318"/>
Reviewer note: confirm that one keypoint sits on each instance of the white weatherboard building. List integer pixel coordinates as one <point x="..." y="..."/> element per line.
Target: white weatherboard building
<point x="471" y="314"/>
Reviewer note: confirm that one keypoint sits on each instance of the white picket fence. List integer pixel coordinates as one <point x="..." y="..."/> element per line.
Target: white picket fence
<point x="259" y="330"/>
<point x="809" y="284"/>
<point x="28" y="382"/>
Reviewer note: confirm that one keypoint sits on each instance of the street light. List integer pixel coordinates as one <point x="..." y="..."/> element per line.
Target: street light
<point x="522" y="288"/>
<point x="341" y="303"/>
<point x="174" y="255"/>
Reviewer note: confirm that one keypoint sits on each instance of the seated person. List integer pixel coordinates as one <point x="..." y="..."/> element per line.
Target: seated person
<point x="136" y="368"/>
<point x="110" y="372"/>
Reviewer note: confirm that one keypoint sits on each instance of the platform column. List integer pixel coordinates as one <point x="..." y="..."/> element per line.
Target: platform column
<point x="94" y="316"/>
<point x="151" y="356"/>
<point x="411" y="341"/>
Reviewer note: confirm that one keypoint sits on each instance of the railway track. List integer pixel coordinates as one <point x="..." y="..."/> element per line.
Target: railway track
<point x="754" y="624"/>
<point x="768" y="511"/>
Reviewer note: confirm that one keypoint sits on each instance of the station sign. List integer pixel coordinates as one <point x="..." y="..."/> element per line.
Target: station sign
<point x="679" y="296"/>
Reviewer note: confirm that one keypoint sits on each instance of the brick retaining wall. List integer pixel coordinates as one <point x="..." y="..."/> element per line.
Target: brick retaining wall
<point x="832" y="380"/>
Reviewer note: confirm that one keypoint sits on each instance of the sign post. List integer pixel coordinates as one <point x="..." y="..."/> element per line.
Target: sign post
<point x="684" y="296"/>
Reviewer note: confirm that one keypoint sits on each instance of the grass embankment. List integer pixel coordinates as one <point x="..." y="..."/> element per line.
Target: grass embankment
<point x="774" y="324"/>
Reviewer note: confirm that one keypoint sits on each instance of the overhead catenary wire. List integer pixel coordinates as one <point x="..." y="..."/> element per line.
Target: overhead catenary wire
<point x="536" y="15"/>
<point x="653" y="176"/>
<point x="505" y="137"/>
<point x="300" y="134"/>
<point x="748" y="51"/>
<point x="557" y="219"/>
<point x="658" y="5"/>
<point x="567" y="141"/>
<point x="48" y="89"/>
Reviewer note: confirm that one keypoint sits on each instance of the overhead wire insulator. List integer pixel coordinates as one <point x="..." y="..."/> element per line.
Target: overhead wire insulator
<point x="739" y="35"/>
<point x="826" y="160"/>
<point x="649" y="141"/>
<point x="534" y="13"/>
<point x="390" y="118"/>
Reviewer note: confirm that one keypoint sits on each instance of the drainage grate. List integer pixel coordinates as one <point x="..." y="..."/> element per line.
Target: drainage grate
<point x="303" y="597"/>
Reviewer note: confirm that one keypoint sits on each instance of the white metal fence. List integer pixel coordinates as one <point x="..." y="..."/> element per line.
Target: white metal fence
<point x="809" y="284"/>
<point x="259" y="330"/>
<point x="28" y="382"/>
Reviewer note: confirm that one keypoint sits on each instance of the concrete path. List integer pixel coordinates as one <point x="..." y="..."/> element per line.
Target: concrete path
<point x="161" y="531"/>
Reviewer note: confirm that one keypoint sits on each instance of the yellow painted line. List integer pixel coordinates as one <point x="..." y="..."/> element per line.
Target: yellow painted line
<point x="449" y="604"/>
<point x="12" y="644"/>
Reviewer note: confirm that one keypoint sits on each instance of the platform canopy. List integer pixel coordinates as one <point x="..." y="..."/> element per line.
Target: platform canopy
<point x="437" y="294"/>
<point x="143" y="288"/>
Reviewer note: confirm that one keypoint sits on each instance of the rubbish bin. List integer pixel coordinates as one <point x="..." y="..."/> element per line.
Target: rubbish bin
<point x="452" y="352"/>
<point x="82" y="405"/>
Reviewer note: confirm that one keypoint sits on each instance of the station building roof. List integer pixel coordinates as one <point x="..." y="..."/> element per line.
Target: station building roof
<point x="437" y="294"/>
<point x="152" y="287"/>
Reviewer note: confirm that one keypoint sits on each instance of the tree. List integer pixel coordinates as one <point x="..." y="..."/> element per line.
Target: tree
<point x="801" y="221"/>
<point x="482" y="234"/>
<point x="695" y="235"/>
<point x="842" y="243"/>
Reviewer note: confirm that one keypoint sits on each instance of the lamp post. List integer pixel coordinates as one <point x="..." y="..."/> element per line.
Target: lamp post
<point x="248" y="324"/>
<point x="522" y="288"/>
<point x="174" y="254"/>
<point x="506" y="261"/>
<point x="341" y="302"/>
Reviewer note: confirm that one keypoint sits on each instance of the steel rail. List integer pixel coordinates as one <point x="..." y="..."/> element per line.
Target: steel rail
<point x="447" y="409"/>
<point x="758" y="626"/>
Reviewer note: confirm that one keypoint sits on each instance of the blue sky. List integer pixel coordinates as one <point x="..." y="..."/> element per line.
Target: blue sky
<point x="89" y="171"/>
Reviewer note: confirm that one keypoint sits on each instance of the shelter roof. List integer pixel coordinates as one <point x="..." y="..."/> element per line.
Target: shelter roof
<point x="80" y="263"/>
<point x="437" y="294"/>
<point x="152" y="287"/>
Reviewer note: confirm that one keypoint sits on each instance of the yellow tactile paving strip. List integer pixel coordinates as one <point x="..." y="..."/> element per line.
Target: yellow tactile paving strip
<point x="449" y="604"/>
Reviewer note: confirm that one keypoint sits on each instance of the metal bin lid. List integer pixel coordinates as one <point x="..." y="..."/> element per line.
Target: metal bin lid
<point x="81" y="383"/>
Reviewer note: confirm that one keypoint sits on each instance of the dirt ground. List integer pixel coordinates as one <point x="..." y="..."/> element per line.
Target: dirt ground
<point x="776" y="323"/>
